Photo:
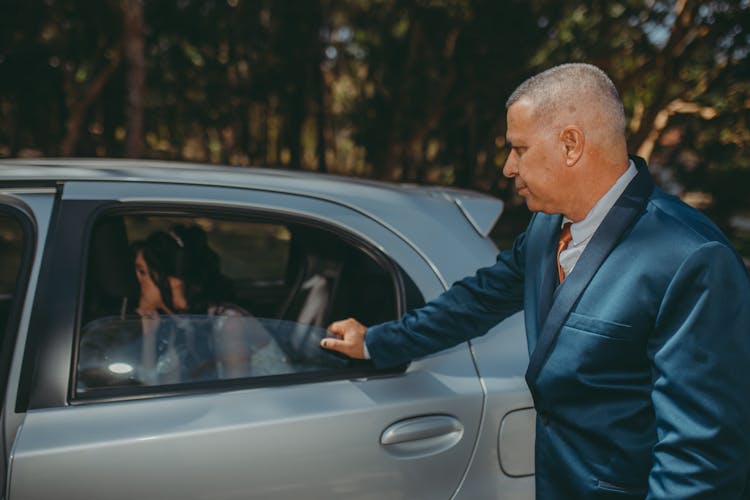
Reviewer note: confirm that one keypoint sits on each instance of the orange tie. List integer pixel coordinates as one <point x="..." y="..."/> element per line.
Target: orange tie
<point x="562" y="244"/>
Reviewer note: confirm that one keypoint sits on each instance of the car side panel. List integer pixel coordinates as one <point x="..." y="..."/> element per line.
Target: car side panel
<point x="507" y="427"/>
<point x="309" y="441"/>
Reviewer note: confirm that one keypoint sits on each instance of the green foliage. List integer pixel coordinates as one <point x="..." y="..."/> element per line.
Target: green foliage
<point x="407" y="90"/>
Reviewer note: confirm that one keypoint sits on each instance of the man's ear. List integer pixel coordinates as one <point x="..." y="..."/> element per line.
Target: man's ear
<point x="573" y="140"/>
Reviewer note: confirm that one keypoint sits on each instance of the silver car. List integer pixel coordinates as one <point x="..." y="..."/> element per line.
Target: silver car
<point x="86" y="416"/>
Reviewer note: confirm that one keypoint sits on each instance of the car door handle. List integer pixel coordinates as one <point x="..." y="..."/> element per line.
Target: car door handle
<point x="414" y="429"/>
<point x="420" y="436"/>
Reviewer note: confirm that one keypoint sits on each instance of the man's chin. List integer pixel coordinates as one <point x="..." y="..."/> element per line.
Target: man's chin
<point x="529" y="202"/>
<point x="535" y="207"/>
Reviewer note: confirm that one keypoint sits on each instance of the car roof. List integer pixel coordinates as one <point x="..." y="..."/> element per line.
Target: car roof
<point x="392" y="204"/>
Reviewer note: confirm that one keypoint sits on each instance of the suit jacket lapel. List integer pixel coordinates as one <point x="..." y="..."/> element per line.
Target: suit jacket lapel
<point x="620" y="217"/>
<point x="548" y="272"/>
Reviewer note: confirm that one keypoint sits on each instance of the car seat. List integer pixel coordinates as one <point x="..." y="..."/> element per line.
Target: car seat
<point x="111" y="286"/>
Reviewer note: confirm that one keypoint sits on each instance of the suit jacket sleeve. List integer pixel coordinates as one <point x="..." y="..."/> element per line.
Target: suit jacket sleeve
<point x="468" y="309"/>
<point x="700" y="357"/>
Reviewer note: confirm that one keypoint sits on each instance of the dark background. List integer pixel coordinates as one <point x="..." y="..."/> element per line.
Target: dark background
<point x="409" y="90"/>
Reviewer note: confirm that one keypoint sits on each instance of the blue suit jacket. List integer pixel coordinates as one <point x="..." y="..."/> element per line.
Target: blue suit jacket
<point x="639" y="362"/>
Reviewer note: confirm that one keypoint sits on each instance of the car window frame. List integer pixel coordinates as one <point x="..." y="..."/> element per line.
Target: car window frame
<point x="23" y="215"/>
<point x="246" y="214"/>
<point x="15" y="208"/>
<point x="40" y="384"/>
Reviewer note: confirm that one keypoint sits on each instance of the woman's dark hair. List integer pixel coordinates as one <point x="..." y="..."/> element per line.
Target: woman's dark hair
<point x="183" y="252"/>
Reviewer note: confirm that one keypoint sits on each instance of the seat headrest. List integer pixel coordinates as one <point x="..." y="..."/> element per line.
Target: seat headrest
<point x="112" y="259"/>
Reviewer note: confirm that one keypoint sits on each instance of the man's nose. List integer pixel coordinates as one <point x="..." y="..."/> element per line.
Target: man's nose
<point x="510" y="169"/>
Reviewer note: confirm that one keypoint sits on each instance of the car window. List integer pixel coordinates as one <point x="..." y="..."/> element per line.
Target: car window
<point x="174" y="300"/>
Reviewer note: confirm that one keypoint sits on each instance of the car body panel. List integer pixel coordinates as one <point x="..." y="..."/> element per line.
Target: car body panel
<point x="316" y="440"/>
<point x="501" y="357"/>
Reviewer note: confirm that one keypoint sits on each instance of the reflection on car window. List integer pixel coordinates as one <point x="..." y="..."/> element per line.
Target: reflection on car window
<point x="193" y="348"/>
<point x="233" y="240"/>
<point x="178" y="300"/>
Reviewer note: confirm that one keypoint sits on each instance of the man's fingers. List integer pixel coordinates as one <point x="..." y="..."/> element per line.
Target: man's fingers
<point x="334" y="344"/>
<point x="347" y="347"/>
<point x="341" y="327"/>
<point x="349" y="337"/>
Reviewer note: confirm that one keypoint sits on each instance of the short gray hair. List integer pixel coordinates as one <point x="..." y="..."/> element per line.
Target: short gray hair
<point x="571" y="82"/>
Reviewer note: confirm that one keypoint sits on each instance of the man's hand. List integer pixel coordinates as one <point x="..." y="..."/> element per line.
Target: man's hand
<point x="348" y="338"/>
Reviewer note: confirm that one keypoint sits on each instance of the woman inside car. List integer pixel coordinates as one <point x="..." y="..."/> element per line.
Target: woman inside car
<point x="190" y="329"/>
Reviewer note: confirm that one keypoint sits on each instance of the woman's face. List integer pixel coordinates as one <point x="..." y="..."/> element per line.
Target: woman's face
<point x="151" y="298"/>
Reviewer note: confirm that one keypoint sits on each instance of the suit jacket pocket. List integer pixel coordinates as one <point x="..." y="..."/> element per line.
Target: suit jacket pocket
<point x="600" y="327"/>
<point x="620" y="491"/>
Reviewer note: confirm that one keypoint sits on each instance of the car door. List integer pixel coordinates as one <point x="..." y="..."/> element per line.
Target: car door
<point x="406" y="433"/>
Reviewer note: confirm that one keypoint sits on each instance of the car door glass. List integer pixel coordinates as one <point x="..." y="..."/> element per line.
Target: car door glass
<point x="194" y="348"/>
<point x="180" y="300"/>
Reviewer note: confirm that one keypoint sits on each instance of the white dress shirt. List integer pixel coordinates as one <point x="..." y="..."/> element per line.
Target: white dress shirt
<point x="583" y="230"/>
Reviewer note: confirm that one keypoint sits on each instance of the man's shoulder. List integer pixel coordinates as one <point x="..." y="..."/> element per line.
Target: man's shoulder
<point x="677" y="236"/>
<point x="680" y="221"/>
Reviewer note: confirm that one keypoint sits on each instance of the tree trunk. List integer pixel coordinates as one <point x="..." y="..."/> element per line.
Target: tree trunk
<point x="264" y="116"/>
<point x="133" y="44"/>
<point x="665" y="64"/>
<point x="397" y="146"/>
<point x="468" y="167"/>
<point x="294" y="133"/>
<point x="245" y="112"/>
<point x="320" y="119"/>
<point x="320" y="90"/>
<point x="79" y="109"/>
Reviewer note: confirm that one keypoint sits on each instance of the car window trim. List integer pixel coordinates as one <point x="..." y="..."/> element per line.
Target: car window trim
<point x="23" y="215"/>
<point x="15" y="208"/>
<point x="138" y="393"/>
<point x="25" y="381"/>
<point x="41" y="384"/>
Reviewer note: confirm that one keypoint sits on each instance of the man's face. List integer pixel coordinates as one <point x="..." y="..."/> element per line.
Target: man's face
<point x="535" y="161"/>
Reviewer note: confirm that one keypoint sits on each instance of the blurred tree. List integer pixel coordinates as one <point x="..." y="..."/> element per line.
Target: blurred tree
<point x="55" y="59"/>
<point x="408" y="90"/>
<point x="430" y="86"/>
<point x="298" y="46"/>
<point x="682" y="67"/>
<point x="668" y="57"/>
<point x="133" y="49"/>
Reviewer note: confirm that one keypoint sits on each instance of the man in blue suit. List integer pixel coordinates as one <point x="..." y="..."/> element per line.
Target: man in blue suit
<point x="637" y="310"/>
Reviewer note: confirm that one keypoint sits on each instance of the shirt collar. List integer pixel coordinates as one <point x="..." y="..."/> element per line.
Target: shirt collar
<point x="583" y="230"/>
